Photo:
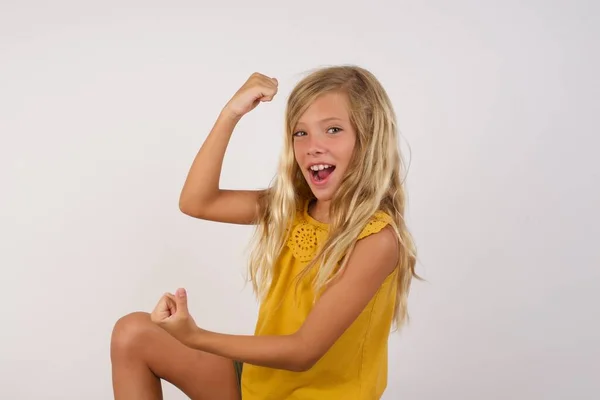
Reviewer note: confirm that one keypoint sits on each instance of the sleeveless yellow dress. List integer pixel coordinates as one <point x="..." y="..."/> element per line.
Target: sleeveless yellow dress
<point x="355" y="367"/>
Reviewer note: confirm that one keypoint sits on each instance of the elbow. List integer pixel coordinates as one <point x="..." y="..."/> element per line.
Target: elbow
<point x="195" y="205"/>
<point x="307" y="355"/>
<point x="183" y="206"/>
<point x="189" y="207"/>
<point x="306" y="362"/>
<point x="303" y="365"/>
<point x="299" y="365"/>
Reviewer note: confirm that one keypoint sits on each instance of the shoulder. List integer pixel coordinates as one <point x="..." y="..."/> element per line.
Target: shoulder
<point x="377" y="245"/>
<point x="382" y="244"/>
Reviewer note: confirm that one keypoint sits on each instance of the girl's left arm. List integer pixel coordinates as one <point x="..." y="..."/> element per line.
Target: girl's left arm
<point x="372" y="260"/>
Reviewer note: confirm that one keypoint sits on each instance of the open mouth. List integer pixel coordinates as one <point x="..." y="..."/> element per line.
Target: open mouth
<point x="320" y="172"/>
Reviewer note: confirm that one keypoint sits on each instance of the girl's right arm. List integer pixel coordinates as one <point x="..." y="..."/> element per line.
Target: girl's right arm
<point x="201" y="196"/>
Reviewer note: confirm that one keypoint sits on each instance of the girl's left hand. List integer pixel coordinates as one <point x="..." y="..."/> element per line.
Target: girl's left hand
<point x="171" y="313"/>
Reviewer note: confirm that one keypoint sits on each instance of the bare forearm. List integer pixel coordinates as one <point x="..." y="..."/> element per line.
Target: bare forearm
<point x="202" y="182"/>
<point x="281" y="352"/>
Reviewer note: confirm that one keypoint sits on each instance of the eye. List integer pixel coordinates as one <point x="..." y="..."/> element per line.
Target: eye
<point x="299" y="133"/>
<point x="335" y="129"/>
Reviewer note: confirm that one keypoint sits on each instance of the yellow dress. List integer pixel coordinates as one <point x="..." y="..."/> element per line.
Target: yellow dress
<point x="355" y="367"/>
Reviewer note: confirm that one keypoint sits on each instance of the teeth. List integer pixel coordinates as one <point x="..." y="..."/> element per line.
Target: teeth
<point x="320" y="167"/>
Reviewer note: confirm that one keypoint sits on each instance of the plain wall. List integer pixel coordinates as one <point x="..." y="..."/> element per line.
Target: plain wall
<point x="104" y="105"/>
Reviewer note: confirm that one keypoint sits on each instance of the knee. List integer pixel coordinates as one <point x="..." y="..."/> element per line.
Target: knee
<point x="128" y="333"/>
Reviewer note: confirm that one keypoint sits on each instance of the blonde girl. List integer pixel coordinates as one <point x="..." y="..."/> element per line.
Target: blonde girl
<point x="332" y="260"/>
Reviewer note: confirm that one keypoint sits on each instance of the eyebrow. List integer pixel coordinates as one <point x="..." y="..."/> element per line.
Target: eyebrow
<point x="324" y="120"/>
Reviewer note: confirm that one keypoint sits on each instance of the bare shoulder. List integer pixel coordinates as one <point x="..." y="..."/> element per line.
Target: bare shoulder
<point x="380" y="251"/>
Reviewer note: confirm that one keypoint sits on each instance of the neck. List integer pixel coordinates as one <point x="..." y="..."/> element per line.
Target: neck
<point x="320" y="211"/>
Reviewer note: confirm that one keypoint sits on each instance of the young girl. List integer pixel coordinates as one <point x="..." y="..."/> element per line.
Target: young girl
<point x="332" y="261"/>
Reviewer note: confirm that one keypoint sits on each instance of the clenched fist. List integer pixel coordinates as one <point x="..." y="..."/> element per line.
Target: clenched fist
<point x="258" y="88"/>
<point x="171" y="313"/>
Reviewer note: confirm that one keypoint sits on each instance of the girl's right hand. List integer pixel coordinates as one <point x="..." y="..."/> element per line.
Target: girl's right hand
<point x="258" y="88"/>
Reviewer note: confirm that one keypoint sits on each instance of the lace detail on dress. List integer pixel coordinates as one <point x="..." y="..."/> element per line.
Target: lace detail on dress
<point x="377" y="223"/>
<point x="306" y="238"/>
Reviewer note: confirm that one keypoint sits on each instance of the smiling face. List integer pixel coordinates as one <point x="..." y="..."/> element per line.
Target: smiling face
<point x="324" y="141"/>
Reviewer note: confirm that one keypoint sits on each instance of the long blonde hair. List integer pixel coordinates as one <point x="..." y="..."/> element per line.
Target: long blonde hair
<point x="371" y="183"/>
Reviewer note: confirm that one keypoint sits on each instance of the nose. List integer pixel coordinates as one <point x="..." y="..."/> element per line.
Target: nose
<point x="315" y="145"/>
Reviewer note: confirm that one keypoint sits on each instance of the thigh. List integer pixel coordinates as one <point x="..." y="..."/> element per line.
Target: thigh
<point x="198" y="374"/>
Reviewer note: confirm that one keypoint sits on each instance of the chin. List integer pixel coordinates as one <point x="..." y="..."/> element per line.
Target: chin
<point x="322" y="195"/>
<point x="321" y="198"/>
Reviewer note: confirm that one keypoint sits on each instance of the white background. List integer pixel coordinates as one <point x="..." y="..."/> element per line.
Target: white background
<point x="103" y="106"/>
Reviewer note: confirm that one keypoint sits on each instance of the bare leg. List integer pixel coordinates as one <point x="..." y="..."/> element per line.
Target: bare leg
<point x="142" y="354"/>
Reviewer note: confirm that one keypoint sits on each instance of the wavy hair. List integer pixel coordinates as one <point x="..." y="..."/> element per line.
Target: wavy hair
<point x="371" y="183"/>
